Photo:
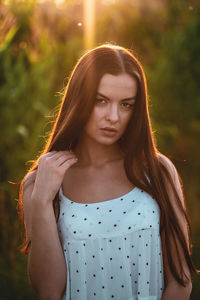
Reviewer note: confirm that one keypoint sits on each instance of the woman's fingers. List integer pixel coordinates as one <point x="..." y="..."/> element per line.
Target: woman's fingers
<point x="56" y="158"/>
<point x="57" y="154"/>
<point x="50" y="153"/>
<point x="64" y="158"/>
<point x="68" y="163"/>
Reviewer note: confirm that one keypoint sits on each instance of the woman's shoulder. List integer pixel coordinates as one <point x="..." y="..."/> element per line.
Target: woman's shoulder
<point x="167" y="163"/>
<point x="176" y="178"/>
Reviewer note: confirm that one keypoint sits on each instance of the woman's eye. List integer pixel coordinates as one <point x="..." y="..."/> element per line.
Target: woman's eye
<point x="124" y="104"/>
<point x="127" y="105"/>
<point x="100" y="100"/>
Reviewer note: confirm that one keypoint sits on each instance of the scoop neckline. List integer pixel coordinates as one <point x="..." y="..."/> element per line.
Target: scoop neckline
<point x="100" y="202"/>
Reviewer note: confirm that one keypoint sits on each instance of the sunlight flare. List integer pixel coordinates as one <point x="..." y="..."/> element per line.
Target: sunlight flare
<point x="58" y="2"/>
<point x="89" y="23"/>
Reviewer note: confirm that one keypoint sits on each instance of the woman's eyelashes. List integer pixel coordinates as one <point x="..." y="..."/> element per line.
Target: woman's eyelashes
<point x="124" y="104"/>
<point x="128" y="105"/>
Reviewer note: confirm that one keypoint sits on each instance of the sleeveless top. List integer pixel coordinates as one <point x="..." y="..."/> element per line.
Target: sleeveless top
<point x="112" y="248"/>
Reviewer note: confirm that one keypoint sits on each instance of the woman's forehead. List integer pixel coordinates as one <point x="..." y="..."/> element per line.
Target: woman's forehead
<point x="123" y="85"/>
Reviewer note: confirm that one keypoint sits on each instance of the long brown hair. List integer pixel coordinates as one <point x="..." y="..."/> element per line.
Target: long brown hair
<point x="142" y="160"/>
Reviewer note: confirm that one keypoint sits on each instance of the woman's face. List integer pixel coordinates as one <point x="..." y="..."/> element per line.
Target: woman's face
<point x="114" y="105"/>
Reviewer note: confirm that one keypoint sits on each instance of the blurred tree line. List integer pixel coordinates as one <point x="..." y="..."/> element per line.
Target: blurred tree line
<point x="39" y="45"/>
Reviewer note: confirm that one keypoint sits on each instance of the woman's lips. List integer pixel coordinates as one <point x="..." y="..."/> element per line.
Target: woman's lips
<point x="109" y="132"/>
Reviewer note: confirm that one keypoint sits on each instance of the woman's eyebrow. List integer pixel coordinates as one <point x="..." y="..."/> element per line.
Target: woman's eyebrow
<point x="130" y="98"/>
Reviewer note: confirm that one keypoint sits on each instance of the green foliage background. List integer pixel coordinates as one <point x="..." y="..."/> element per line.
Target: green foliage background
<point x="39" y="45"/>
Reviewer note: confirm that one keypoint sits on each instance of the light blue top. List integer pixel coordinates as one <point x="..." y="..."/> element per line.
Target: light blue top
<point x="112" y="248"/>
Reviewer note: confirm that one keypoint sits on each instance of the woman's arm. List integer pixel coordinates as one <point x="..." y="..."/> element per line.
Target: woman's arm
<point x="173" y="289"/>
<point x="46" y="263"/>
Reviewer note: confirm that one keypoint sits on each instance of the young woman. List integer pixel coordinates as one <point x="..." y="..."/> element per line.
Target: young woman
<point x="103" y="210"/>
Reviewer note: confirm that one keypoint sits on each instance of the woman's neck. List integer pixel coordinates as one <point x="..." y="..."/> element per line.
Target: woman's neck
<point x="95" y="154"/>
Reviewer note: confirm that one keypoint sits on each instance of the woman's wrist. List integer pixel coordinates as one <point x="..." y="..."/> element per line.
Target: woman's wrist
<point x="41" y="201"/>
<point x="40" y="206"/>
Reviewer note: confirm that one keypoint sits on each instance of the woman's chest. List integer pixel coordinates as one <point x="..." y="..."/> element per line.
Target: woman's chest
<point x="96" y="186"/>
<point x="134" y="211"/>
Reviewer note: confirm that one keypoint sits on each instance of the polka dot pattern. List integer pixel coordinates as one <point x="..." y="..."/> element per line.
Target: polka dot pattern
<point x="112" y="248"/>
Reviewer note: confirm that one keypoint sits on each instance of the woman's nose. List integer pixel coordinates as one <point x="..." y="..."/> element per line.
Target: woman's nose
<point x="112" y="113"/>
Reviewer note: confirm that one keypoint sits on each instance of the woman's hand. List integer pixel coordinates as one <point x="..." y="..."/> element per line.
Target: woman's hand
<point x="51" y="169"/>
